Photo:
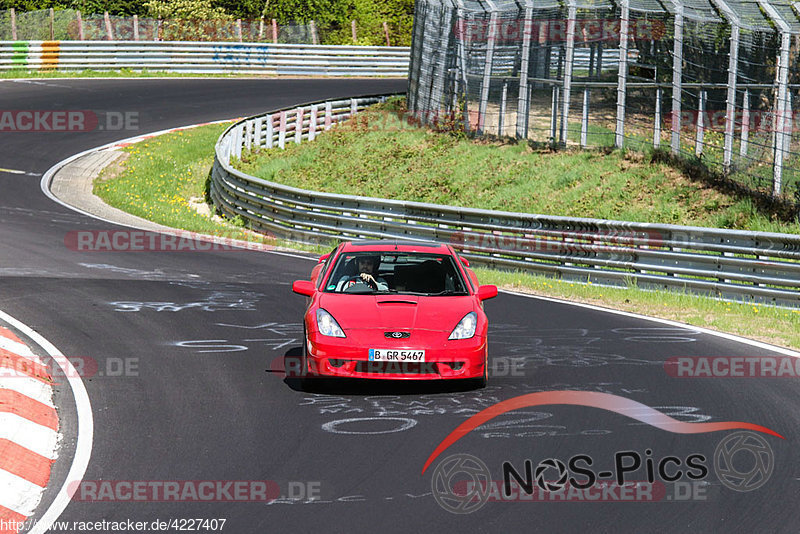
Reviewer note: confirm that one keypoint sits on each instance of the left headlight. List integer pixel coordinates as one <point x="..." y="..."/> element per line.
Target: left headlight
<point x="465" y="328"/>
<point x="327" y="324"/>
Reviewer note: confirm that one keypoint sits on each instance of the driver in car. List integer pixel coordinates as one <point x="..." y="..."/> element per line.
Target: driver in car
<point x="367" y="271"/>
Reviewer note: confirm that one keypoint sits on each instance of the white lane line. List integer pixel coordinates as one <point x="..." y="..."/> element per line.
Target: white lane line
<point x="25" y="433"/>
<point x="16" y="171"/>
<point x="25" y="385"/>
<point x="19" y="495"/>
<point x="83" y="406"/>
<point x="730" y="337"/>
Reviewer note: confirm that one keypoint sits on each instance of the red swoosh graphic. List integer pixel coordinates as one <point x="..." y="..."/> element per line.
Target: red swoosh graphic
<point x="604" y="401"/>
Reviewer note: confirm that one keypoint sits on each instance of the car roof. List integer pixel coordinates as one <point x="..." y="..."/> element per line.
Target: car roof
<point x="393" y="245"/>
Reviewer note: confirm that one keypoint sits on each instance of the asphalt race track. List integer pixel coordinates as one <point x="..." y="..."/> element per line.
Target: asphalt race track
<point x="208" y="400"/>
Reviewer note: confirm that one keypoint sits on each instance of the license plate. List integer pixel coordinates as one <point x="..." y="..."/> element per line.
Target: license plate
<point x="391" y="355"/>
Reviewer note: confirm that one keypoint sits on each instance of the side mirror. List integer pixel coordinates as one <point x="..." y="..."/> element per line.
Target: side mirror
<point x="464" y="261"/>
<point x="324" y="257"/>
<point x="487" y="292"/>
<point x="306" y="287"/>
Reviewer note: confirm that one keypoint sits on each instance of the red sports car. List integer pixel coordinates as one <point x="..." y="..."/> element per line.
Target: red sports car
<point x="394" y="310"/>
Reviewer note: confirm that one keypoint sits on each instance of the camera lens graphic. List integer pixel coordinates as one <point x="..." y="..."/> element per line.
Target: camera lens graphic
<point x="460" y="483"/>
<point x="744" y="461"/>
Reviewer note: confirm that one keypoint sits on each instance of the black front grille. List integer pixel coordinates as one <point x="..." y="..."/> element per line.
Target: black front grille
<point x="397" y="335"/>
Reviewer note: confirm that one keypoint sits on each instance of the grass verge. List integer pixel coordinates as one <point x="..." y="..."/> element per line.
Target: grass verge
<point x="162" y="175"/>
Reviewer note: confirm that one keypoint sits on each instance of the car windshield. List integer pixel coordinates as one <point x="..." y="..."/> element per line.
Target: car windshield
<point x="410" y="273"/>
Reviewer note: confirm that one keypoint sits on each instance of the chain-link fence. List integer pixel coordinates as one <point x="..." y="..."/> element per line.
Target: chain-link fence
<point x="72" y="25"/>
<point x="714" y="80"/>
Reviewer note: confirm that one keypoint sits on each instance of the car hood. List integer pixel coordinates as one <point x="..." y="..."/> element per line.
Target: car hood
<point x="397" y="312"/>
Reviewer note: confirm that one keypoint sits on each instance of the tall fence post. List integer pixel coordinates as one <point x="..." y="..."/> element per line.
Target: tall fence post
<point x="135" y="27"/>
<point x="386" y="33"/>
<point x="780" y="137"/>
<point x="677" y="77"/>
<point x="622" y="75"/>
<point x="314" y="36"/>
<point x="487" y="70"/>
<point x="657" y="120"/>
<point x="274" y="31"/>
<point x="80" y="26"/>
<point x="523" y="110"/>
<point x="503" y="102"/>
<point x="745" y="135"/>
<point x="554" y="115"/>
<point x="353" y="31"/>
<point x="52" y="24"/>
<point x="14" y="24"/>
<point x="568" y="60"/>
<point x="733" y="65"/>
<point x="585" y="119"/>
<point x="701" y="126"/>
<point x="261" y="29"/>
<point x="239" y="30"/>
<point x="109" y="30"/>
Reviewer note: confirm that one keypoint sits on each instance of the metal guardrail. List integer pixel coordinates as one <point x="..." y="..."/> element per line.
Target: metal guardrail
<point x="205" y="58"/>
<point x="758" y="266"/>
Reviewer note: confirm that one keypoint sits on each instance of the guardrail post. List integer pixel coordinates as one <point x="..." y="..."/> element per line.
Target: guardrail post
<point x="248" y="134"/>
<point x="677" y="77"/>
<point x="657" y="120"/>
<point x="568" y="62"/>
<point x="109" y="31"/>
<point x="503" y="101"/>
<point x="282" y="131"/>
<point x="622" y="74"/>
<point x="298" y="125"/>
<point x="270" y="130"/>
<point x="257" y="133"/>
<point x="328" y="115"/>
<point x="585" y="119"/>
<point x="487" y="72"/>
<point x="353" y="107"/>
<point x="312" y="125"/>
<point x="701" y="125"/>
<point x="274" y="31"/>
<point x="237" y="141"/>
<point x="745" y="135"/>
<point x="523" y="107"/>
<point x="80" y="26"/>
<point x="14" y="24"/>
<point x="136" y="27"/>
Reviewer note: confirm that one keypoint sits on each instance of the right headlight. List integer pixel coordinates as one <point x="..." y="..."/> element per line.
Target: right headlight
<point x="465" y="328"/>
<point x="327" y="325"/>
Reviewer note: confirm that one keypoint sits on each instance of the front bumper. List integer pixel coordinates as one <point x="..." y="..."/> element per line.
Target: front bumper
<point x="349" y="357"/>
